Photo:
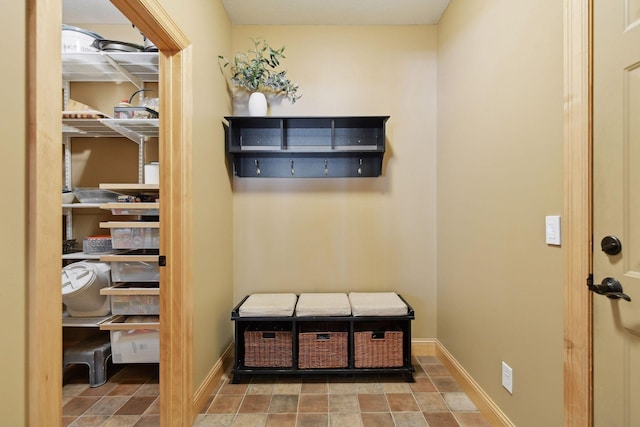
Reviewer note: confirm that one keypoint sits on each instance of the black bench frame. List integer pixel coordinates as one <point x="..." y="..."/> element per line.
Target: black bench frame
<point x="296" y="324"/>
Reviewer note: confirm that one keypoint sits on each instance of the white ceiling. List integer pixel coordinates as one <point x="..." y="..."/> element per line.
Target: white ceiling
<point x="335" y="12"/>
<point x="91" y="12"/>
<point x="286" y="12"/>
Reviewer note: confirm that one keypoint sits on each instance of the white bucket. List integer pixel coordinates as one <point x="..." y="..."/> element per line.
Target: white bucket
<point x="152" y="173"/>
<point x="81" y="284"/>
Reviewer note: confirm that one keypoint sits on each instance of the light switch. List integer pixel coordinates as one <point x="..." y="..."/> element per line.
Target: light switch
<point x="553" y="229"/>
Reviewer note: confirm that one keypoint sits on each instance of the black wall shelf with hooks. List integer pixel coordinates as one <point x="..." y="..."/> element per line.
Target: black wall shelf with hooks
<point x="306" y="147"/>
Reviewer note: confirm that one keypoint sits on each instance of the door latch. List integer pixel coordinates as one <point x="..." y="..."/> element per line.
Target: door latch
<point x="610" y="287"/>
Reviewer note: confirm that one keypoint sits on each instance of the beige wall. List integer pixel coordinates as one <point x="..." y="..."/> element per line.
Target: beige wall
<point x="499" y="173"/>
<point x="205" y="24"/>
<point x="14" y="216"/>
<point x="371" y="234"/>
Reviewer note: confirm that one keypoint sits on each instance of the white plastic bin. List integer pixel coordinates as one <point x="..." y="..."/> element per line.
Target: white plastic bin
<point x="81" y="284"/>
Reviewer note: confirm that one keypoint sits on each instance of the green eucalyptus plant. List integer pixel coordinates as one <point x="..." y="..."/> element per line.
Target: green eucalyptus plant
<point x="257" y="70"/>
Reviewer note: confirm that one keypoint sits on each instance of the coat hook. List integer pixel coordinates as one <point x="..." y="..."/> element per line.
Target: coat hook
<point x="293" y="171"/>
<point x="326" y="167"/>
<point x="360" y="168"/>
<point x="257" y="163"/>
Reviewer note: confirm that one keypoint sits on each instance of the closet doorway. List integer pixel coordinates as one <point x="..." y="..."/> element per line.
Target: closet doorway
<point x="44" y="330"/>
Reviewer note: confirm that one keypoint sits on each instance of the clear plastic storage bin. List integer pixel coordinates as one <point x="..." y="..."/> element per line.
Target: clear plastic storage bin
<point x="128" y="235"/>
<point x="134" y="339"/>
<point x="135" y="304"/>
<point x="135" y="271"/>
<point x="135" y="346"/>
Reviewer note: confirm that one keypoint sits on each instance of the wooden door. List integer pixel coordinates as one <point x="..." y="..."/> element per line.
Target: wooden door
<point x="616" y="212"/>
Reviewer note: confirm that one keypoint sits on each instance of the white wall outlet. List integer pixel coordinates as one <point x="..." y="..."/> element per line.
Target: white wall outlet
<point x="507" y="377"/>
<point x="552" y="223"/>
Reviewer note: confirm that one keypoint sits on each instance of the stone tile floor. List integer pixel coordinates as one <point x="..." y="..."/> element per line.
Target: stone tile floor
<point x="435" y="399"/>
<point x="130" y="398"/>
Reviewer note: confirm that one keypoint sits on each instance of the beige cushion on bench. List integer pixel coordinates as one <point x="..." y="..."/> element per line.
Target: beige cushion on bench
<point x="268" y="305"/>
<point x="323" y="304"/>
<point x="377" y="304"/>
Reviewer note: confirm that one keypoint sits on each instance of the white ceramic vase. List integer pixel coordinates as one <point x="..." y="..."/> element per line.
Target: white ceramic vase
<point x="257" y="104"/>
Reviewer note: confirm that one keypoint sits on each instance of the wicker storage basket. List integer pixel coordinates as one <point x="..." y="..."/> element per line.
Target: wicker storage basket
<point x="322" y="347"/>
<point x="267" y="346"/>
<point x="378" y="348"/>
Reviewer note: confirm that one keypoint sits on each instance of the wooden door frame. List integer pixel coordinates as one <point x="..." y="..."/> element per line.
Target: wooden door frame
<point x="577" y="227"/>
<point x="44" y="324"/>
<point x="44" y="181"/>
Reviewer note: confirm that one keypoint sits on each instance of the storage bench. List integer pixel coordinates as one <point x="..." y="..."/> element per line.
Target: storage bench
<point x="316" y="339"/>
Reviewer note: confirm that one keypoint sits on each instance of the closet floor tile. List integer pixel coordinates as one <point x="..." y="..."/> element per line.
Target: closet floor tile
<point x="130" y="398"/>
